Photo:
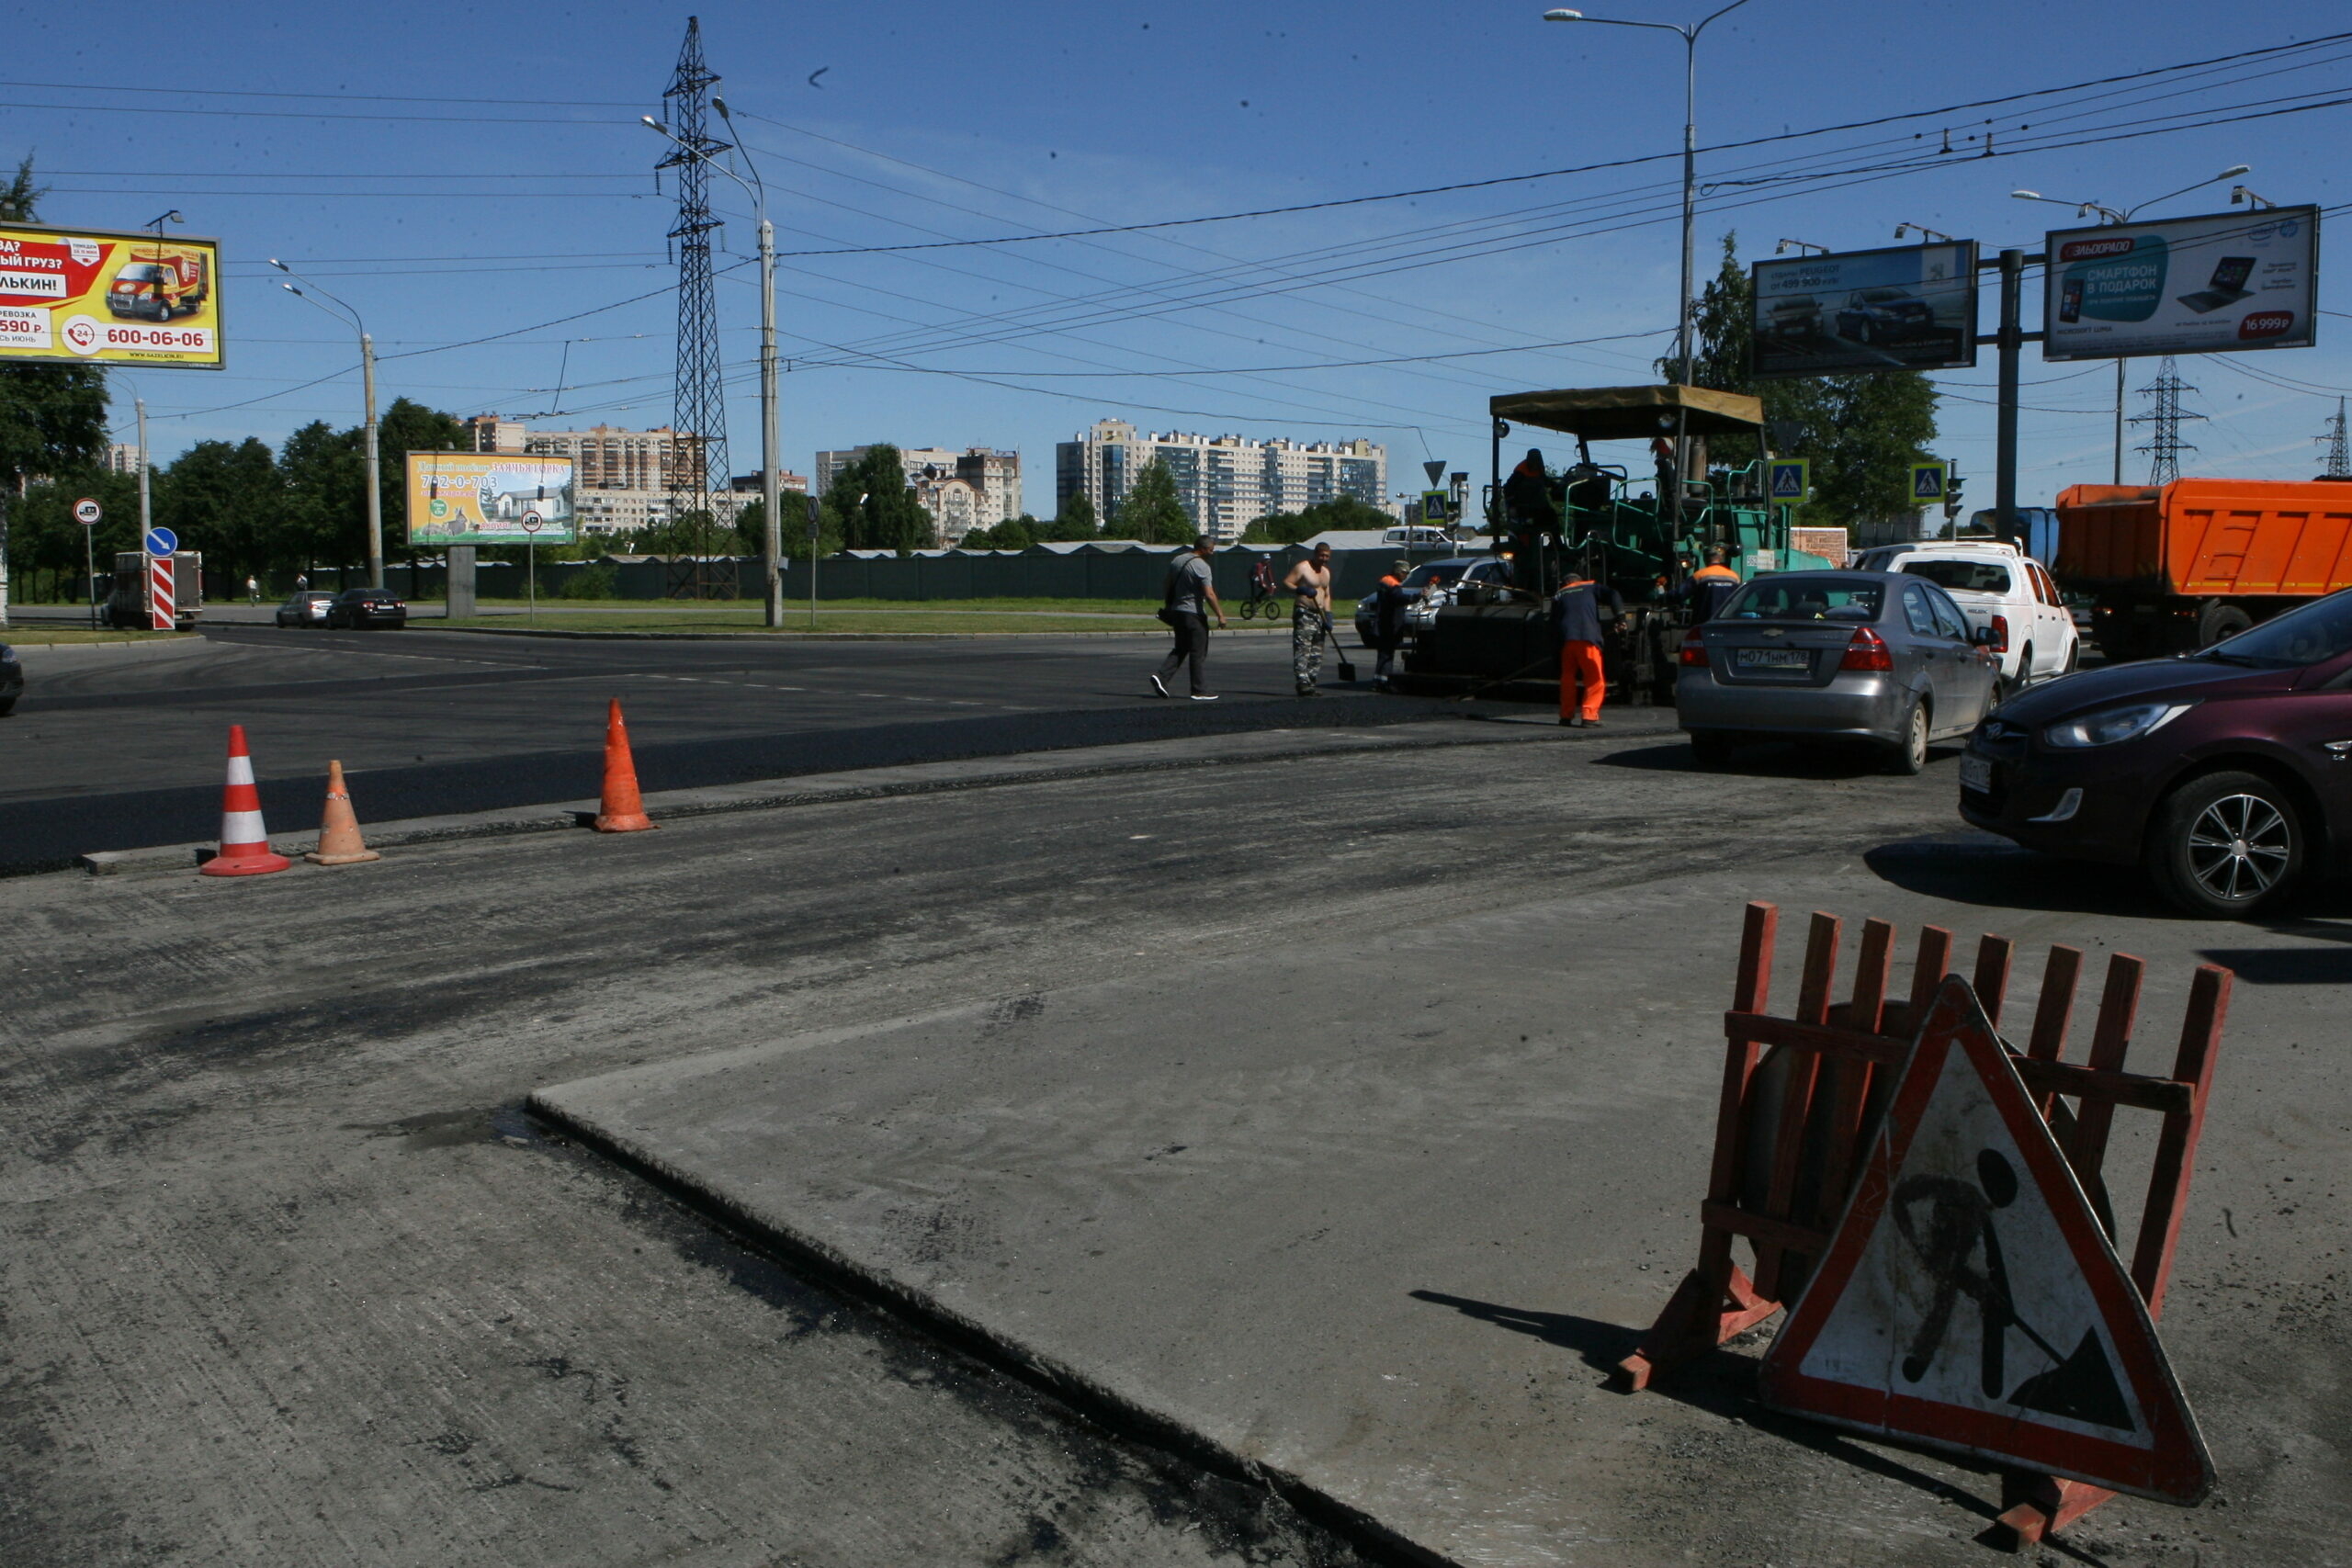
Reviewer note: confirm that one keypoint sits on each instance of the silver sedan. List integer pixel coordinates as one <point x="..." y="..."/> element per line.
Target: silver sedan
<point x="1868" y="656"/>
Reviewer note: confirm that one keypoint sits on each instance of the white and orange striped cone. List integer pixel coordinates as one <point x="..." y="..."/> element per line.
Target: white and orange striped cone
<point x="339" y="840"/>
<point x="245" y="843"/>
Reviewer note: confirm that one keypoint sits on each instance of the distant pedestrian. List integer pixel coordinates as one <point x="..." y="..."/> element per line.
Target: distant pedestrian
<point x="1187" y="601"/>
<point x="1577" y="611"/>
<point x="253" y="590"/>
<point x="1310" y="617"/>
<point x="1392" y="603"/>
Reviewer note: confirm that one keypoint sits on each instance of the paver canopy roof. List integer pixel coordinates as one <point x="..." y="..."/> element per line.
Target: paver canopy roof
<point x="1631" y="413"/>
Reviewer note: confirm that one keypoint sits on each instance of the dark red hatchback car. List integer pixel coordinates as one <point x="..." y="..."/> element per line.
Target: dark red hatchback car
<point x="2226" y="773"/>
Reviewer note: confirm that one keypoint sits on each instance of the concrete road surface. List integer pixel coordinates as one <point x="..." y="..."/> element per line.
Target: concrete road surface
<point x="1347" y="1113"/>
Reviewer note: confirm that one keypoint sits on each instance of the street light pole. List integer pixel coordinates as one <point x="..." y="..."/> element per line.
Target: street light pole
<point x="368" y="378"/>
<point x="1684" y="348"/>
<point x="771" y="479"/>
<point x="2109" y="216"/>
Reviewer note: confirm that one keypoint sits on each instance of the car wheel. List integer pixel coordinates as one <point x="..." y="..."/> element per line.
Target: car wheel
<point x="7" y="706"/>
<point x="2022" y="679"/>
<point x="1910" y="754"/>
<point x="1710" y="748"/>
<point x="2226" y="846"/>
<point x="2073" y="658"/>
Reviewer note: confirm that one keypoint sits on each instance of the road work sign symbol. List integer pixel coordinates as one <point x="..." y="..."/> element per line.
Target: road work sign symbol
<point x="86" y="513"/>
<point x="1928" y="482"/>
<point x="1790" y="480"/>
<point x="162" y="541"/>
<point x="1970" y="1299"/>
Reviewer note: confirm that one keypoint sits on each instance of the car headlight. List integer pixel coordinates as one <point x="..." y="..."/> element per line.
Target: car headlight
<point x="2109" y="725"/>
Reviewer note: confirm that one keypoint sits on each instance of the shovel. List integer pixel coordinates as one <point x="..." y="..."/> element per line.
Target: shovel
<point x="1346" y="670"/>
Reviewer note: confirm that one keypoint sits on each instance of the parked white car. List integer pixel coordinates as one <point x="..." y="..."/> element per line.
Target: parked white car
<point x="1999" y="586"/>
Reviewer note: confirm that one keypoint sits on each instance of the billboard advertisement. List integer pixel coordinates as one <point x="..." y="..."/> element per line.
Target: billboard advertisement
<point x="1908" y="307"/>
<point x="489" y="498"/>
<point x="91" y="295"/>
<point x="2207" y="285"/>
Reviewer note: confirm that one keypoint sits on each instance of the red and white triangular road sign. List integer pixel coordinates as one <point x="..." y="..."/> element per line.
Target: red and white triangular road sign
<point x="1969" y="1298"/>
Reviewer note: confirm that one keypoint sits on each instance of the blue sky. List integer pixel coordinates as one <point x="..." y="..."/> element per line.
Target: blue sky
<point x="445" y="220"/>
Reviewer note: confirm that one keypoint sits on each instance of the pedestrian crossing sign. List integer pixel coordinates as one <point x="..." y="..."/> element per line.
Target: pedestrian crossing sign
<point x="1929" y="482"/>
<point x="1789" y="480"/>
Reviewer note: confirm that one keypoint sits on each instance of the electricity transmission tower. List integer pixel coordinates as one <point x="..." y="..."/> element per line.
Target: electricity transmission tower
<point x="700" y="475"/>
<point x="2339" y="447"/>
<point x="2164" y="445"/>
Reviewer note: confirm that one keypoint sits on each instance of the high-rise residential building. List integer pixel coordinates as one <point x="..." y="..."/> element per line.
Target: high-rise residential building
<point x="622" y="479"/>
<point x="123" y="457"/>
<point x="976" y="488"/>
<point x="1225" y="482"/>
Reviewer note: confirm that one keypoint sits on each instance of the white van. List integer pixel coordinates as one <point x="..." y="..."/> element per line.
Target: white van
<point x="1995" y="585"/>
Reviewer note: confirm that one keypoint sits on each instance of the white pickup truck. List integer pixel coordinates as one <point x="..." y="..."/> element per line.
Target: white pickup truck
<point x="1999" y="586"/>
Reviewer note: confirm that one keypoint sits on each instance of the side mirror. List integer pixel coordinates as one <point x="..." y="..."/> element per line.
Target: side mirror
<point x="1984" y="637"/>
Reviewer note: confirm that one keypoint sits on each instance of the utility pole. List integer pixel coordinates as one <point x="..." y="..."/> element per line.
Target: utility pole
<point x="375" y="471"/>
<point x="2339" y="447"/>
<point x="2010" y="340"/>
<point x="2164" y="445"/>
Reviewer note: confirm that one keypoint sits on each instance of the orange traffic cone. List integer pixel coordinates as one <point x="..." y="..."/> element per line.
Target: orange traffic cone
<point x="245" y="843"/>
<point x="624" y="809"/>
<point x="339" y="842"/>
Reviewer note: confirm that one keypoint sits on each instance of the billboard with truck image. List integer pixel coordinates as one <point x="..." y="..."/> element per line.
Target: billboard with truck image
<point x="90" y="296"/>
<point x="489" y="498"/>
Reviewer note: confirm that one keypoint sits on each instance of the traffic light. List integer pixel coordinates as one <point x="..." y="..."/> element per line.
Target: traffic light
<point x="1951" y="497"/>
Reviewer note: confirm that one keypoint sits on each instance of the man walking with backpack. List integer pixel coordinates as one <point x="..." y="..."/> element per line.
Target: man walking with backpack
<point x="1188" y="601"/>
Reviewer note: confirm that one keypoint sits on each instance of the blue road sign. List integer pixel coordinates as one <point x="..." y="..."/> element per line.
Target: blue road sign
<point x="1789" y="480"/>
<point x="162" y="541"/>
<point x="1927" y="481"/>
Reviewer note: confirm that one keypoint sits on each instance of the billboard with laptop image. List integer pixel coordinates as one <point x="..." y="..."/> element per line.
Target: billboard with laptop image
<point x="470" y="498"/>
<point x="2206" y="285"/>
<point x="1906" y="308"/>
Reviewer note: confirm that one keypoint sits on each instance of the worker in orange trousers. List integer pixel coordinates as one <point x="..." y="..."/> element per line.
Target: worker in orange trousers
<point x="1578" y="610"/>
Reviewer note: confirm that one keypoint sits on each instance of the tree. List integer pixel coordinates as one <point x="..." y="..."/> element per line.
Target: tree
<point x="1150" y="510"/>
<point x="1340" y="514"/>
<point x="1013" y="534"/>
<point x="871" y="507"/>
<point x="1075" y="521"/>
<point x="323" y="479"/>
<point x="1862" y="433"/>
<point x="52" y="417"/>
<point x="43" y="537"/>
<point x="226" y="500"/>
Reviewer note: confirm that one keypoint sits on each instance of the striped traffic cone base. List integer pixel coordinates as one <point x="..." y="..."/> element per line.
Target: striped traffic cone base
<point x="245" y="843"/>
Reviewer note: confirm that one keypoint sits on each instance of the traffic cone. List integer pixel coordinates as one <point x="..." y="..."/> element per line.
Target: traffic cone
<point x="245" y="843"/>
<point x="339" y="842"/>
<point x="622" y="810"/>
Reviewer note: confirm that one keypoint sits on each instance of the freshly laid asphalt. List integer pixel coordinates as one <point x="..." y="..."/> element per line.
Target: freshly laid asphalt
<point x="1338" y="1118"/>
<point x="117" y="747"/>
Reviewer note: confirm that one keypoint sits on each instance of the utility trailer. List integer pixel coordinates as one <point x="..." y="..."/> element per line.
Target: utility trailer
<point x="1599" y="513"/>
<point x="131" y="599"/>
<point x="2181" y="566"/>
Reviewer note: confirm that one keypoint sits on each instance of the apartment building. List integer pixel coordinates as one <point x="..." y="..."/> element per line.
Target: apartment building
<point x="124" y="458"/>
<point x="1225" y="482"/>
<point x="623" y="480"/>
<point x="979" y="487"/>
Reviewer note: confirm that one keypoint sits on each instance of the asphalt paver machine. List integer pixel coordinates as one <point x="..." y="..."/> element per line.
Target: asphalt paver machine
<point x="1617" y="523"/>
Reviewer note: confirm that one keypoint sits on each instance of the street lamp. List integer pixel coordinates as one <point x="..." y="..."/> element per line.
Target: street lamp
<point x="771" y="484"/>
<point x="1924" y="232"/>
<point x="1782" y="247"/>
<point x="2109" y="215"/>
<point x="1690" y="36"/>
<point x="328" y="302"/>
<point x="2241" y="194"/>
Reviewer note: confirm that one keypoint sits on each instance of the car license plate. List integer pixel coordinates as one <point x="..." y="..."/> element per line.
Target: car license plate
<point x="1774" y="658"/>
<point x="1976" y="774"/>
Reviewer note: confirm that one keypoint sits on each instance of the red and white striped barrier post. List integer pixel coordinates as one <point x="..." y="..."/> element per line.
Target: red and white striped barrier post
<point x="163" y="603"/>
<point x="245" y="843"/>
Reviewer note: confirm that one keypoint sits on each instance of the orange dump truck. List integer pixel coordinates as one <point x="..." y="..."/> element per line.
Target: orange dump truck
<point x="2184" y="564"/>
